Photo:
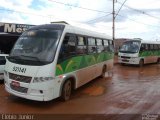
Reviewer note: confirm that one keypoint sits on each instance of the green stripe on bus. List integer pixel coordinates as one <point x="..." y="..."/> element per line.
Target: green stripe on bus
<point x="149" y="53"/>
<point x="78" y="62"/>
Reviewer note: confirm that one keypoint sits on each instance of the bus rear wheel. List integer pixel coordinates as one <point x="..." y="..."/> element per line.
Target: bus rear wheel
<point x="158" y="61"/>
<point x="141" y="63"/>
<point x="103" y="75"/>
<point x="66" y="90"/>
<point x="123" y="64"/>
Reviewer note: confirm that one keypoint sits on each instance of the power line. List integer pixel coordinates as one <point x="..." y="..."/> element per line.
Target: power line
<point x="48" y="16"/>
<point x="139" y="22"/>
<point x="45" y="16"/>
<point x="140" y="11"/>
<point x="99" y="18"/>
<point x="9" y="10"/>
<point x="114" y="16"/>
<point x="120" y="9"/>
<point x="78" y="7"/>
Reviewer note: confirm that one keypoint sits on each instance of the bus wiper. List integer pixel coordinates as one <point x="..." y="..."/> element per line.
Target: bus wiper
<point x="32" y="58"/>
<point x="13" y="57"/>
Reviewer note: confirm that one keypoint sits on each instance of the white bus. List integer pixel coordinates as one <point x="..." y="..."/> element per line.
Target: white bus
<point x="139" y="52"/>
<point x="49" y="61"/>
<point x="2" y="64"/>
<point x="6" y="44"/>
<point x="9" y="33"/>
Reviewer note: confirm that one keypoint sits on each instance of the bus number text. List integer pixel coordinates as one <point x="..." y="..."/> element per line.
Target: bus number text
<point x="18" y="69"/>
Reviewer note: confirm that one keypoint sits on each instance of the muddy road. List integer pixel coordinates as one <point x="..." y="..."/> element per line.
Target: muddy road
<point x="131" y="90"/>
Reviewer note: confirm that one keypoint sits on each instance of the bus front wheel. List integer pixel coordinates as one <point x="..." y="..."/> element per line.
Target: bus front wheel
<point x="66" y="90"/>
<point x="141" y="63"/>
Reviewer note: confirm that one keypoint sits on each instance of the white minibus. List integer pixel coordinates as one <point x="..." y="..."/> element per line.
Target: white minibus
<point x="139" y="52"/>
<point x="49" y="61"/>
<point x="2" y="64"/>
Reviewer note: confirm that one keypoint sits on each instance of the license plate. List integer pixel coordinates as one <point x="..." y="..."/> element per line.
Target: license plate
<point x="16" y="84"/>
<point x="125" y="60"/>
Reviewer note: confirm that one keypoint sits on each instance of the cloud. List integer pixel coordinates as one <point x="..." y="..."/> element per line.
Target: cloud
<point x="129" y="22"/>
<point x="14" y="4"/>
<point x="143" y="4"/>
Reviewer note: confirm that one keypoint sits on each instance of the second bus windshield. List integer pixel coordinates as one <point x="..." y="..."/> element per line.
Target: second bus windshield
<point x="130" y="47"/>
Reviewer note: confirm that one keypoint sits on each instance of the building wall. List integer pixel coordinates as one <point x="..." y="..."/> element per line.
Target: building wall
<point x="118" y="42"/>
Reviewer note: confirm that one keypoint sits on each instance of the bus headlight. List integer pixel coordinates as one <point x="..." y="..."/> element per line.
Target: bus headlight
<point x="6" y="77"/>
<point x="42" y="79"/>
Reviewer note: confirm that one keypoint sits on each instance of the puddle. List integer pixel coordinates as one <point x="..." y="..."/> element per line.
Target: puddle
<point x="94" y="90"/>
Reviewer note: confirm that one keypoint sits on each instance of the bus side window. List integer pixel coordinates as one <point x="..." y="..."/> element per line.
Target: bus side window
<point x="151" y="47"/>
<point x="155" y="47"/>
<point x="111" y="46"/>
<point x="146" y="47"/>
<point x="92" y="45"/>
<point x="81" y="45"/>
<point x="142" y="47"/>
<point x="68" y="47"/>
<point x="106" y="45"/>
<point x="100" y="47"/>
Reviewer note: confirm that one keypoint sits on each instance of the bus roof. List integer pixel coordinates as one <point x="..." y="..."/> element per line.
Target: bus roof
<point x="150" y="42"/>
<point x="144" y="41"/>
<point x="86" y="32"/>
<point x="73" y="29"/>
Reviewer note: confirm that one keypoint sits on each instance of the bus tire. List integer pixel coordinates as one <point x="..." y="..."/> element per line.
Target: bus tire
<point x="66" y="90"/>
<point x="141" y="63"/>
<point x="104" y="71"/>
<point x="123" y="64"/>
<point x="158" y="60"/>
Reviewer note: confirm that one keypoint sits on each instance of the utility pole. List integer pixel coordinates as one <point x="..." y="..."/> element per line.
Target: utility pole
<point x="114" y="17"/>
<point x="113" y="26"/>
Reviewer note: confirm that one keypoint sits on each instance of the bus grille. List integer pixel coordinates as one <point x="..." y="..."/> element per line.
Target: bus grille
<point x="19" y="88"/>
<point x="125" y="57"/>
<point x="20" y="78"/>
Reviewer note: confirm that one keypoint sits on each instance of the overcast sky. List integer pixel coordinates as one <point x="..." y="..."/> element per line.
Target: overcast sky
<point x="136" y="19"/>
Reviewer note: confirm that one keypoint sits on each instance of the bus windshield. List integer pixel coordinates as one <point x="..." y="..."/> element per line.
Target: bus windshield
<point x="130" y="47"/>
<point x="36" y="46"/>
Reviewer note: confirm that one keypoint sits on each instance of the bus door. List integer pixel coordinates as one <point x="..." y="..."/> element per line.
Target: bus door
<point x="67" y="54"/>
<point x="86" y="70"/>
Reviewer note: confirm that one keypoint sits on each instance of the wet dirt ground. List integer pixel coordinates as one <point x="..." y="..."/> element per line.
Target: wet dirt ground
<point x="131" y="90"/>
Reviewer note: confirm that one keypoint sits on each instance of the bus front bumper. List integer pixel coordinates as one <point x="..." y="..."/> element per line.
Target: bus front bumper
<point x="131" y="60"/>
<point x="33" y="94"/>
